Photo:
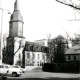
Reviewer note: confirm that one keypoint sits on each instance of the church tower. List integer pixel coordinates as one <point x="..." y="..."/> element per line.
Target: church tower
<point x="15" y="40"/>
<point x="16" y="22"/>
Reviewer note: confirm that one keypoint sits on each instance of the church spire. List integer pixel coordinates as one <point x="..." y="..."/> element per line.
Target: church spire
<point x="16" y="22"/>
<point x="16" y="6"/>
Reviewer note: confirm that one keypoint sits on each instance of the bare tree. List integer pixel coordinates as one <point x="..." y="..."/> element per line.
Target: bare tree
<point x="75" y="5"/>
<point x="76" y="40"/>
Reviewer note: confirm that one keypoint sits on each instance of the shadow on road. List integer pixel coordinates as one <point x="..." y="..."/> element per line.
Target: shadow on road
<point x="49" y="79"/>
<point x="45" y="79"/>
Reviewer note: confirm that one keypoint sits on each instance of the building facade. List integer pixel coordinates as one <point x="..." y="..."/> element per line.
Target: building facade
<point x="35" y="54"/>
<point x="73" y="54"/>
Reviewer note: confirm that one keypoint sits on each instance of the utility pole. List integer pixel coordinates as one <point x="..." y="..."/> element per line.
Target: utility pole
<point x="1" y="45"/>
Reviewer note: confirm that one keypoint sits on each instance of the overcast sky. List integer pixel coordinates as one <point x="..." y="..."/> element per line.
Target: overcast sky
<point x="42" y="17"/>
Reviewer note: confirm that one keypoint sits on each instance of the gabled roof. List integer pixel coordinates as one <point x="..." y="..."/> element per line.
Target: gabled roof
<point x="74" y="50"/>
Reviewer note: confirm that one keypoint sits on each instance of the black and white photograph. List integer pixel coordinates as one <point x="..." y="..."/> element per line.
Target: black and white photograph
<point x="39" y="39"/>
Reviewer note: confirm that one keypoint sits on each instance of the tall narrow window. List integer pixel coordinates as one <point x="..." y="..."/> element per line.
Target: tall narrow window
<point x="43" y="56"/>
<point x="28" y="55"/>
<point x="33" y="56"/>
<point x="74" y="57"/>
<point x="38" y="56"/>
<point x="19" y="55"/>
<point x="69" y="57"/>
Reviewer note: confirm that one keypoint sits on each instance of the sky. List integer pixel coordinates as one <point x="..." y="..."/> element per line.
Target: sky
<point x="42" y="17"/>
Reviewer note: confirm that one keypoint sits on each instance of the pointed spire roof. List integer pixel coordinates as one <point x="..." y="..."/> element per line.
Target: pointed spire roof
<point x="16" y="5"/>
<point x="16" y="16"/>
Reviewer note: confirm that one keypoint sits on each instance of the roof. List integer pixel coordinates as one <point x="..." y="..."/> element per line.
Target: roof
<point x="74" y="50"/>
<point x="35" y="47"/>
<point x="16" y="16"/>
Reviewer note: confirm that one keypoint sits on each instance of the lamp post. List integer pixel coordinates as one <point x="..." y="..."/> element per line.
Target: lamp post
<point x="1" y="45"/>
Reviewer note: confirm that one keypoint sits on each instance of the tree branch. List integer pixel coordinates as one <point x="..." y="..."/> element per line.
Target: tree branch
<point x="71" y="5"/>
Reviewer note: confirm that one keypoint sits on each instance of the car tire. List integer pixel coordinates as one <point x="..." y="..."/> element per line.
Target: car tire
<point x="14" y="74"/>
<point x="18" y="75"/>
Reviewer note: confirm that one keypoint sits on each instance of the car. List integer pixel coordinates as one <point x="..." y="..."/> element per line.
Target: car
<point x="22" y="69"/>
<point x="5" y="69"/>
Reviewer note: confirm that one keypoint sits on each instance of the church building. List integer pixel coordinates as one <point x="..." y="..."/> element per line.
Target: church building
<point x="18" y="50"/>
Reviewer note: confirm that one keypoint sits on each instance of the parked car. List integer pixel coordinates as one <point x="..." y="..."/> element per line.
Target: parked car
<point x="4" y="69"/>
<point x="22" y="69"/>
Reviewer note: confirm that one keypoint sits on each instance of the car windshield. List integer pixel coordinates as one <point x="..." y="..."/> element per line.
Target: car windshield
<point x="1" y="66"/>
<point x="17" y="67"/>
<point x="6" y="67"/>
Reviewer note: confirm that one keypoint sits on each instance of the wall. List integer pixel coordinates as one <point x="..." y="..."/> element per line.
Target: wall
<point x="18" y="49"/>
<point x="72" y="57"/>
<point x="34" y="58"/>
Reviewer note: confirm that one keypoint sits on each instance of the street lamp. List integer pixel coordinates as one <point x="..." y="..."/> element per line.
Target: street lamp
<point x="1" y="45"/>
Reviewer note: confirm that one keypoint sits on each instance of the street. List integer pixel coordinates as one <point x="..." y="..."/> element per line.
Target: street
<point x="40" y="75"/>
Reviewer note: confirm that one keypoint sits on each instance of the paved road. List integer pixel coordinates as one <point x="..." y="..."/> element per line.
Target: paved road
<point x="39" y="75"/>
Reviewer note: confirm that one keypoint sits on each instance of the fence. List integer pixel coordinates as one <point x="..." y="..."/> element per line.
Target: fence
<point x="68" y="67"/>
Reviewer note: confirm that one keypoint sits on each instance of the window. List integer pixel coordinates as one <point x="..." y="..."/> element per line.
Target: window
<point x="28" y="55"/>
<point x="19" y="55"/>
<point x="74" y="57"/>
<point x="38" y="56"/>
<point x="43" y="56"/>
<point x="33" y="56"/>
<point x="1" y="66"/>
<point x="38" y="63"/>
<point x="5" y="66"/>
<point x="69" y="58"/>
